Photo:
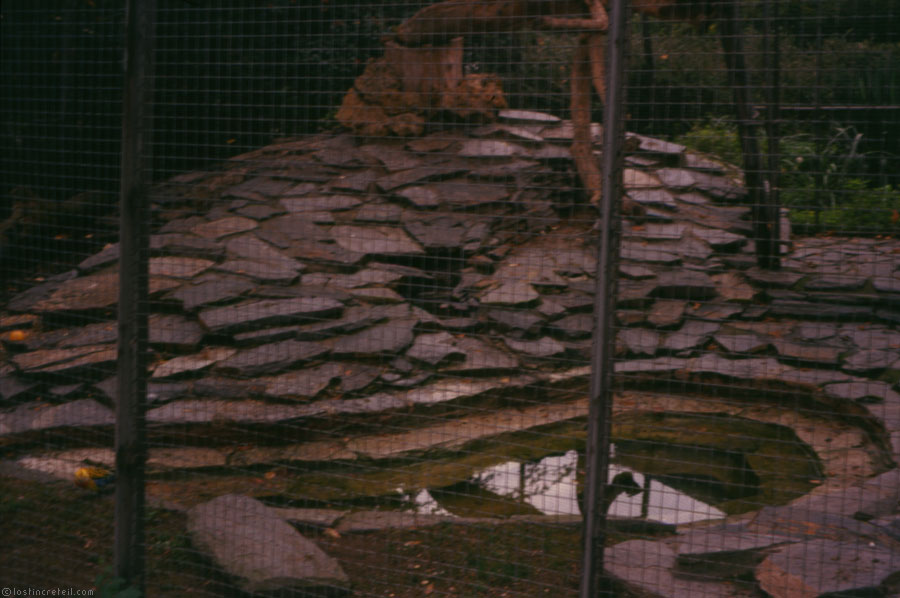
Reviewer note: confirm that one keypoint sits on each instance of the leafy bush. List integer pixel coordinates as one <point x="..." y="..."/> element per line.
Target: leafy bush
<point x="818" y="182"/>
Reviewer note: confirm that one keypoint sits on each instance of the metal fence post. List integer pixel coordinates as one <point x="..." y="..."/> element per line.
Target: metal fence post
<point x="132" y="315"/>
<point x="598" y="435"/>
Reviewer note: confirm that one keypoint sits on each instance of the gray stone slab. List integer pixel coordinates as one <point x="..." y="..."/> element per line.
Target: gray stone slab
<point x="504" y="170"/>
<point x="260" y="313"/>
<point x="271" y="358"/>
<point x="666" y="313"/>
<point x="753" y="369"/>
<point x="96" y="291"/>
<point x="726" y="550"/>
<point x="12" y="388"/>
<point x="264" y="552"/>
<point x="676" y="178"/>
<point x="68" y="361"/>
<point x="808" y="353"/>
<point x="92" y="334"/>
<point x="224" y="227"/>
<point x="773" y="278"/>
<point x="491" y="148"/>
<point x="173" y="331"/>
<point x="388" y="338"/>
<point x="872" y="360"/>
<point x="464" y="194"/>
<point x="434" y="348"/>
<point x="550" y="153"/>
<point x="379" y="211"/>
<point x="691" y="335"/>
<point x="249" y="247"/>
<point x="657" y="198"/>
<point x="259" y="212"/>
<point x="819" y="311"/>
<point x="419" y="174"/>
<point x="703" y="163"/>
<point x="320" y="203"/>
<point x="528" y="117"/>
<point x="261" y="271"/>
<point x="354" y="181"/>
<point x="83" y="413"/>
<point x="375" y="240"/>
<point x="719" y="239"/>
<point x="511" y="292"/>
<point x="718" y="187"/>
<point x="649" y="566"/>
<point x="357" y="376"/>
<point x="871" y="336"/>
<point x="866" y="391"/>
<point x="442" y="232"/>
<point x="210" y="290"/>
<point x="191" y="364"/>
<point x="635" y="271"/>
<point x="303" y="384"/>
<point x="641" y="252"/>
<point x="108" y="255"/>
<point x="655" y="231"/>
<point x="827" y="568"/>
<point x="542" y="347"/>
<point x="741" y="343"/>
<point x="480" y="357"/>
<point x="421" y="197"/>
<point x="178" y="267"/>
<point x="526" y="321"/>
<point x="258" y="187"/>
<point x="633" y="293"/>
<point x="392" y="158"/>
<point x="835" y="283"/>
<point x="574" y="327"/>
<point x="177" y="244"/>
<point x="639" y="341"/>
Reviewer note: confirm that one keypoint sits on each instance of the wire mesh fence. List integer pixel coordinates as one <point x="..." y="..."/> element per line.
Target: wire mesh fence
<point x="472" y="298"/>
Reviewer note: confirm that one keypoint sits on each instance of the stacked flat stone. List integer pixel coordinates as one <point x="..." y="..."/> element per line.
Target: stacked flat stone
<point x="331" y="280"/>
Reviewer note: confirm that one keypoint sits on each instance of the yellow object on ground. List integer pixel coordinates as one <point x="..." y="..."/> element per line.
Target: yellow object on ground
<point x="94" y="478"/>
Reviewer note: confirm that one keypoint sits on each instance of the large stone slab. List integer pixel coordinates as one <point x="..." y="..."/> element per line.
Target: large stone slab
<point x="259" y="313"/>
<point x="434" y="348"/>
<point x="173" y="331"/>
<point x="261" y="271"/>
<point x="96" y="291"/>
<point x="271" y="358"/>
<point x="50" y="361"/>
<point x="383" y="339"/>
<point x="224" y="227"/>
<point x="209" y="290"/>
<point x="178" y="267"/>
<point x="823" y="567"/>
<point x="189" y="364"/>
<point x="264" y="552"/>
<point x="303" y="384"/>
<point x="649" y="566"/>
<point x="249" y="247"/>
<point x="83" y="413"/>
<point x="375" y="240"/>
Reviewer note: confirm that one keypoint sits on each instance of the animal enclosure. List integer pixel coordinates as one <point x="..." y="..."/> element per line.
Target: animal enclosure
<point x="465" y="298"/>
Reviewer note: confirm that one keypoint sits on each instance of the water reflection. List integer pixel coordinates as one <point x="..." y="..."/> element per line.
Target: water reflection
<point x="550" y="486"/>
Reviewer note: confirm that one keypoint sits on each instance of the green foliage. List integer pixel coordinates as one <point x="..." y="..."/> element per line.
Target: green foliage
<point x="714" y="136"/>
<point x="818" y="181"/>
<point x="859" y="210"/>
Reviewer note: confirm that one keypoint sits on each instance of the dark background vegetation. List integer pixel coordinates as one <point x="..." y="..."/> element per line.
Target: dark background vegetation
<point x="235" y="75"/>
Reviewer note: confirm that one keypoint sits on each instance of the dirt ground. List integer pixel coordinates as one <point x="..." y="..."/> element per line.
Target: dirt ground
<point x="58" y="536"/>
